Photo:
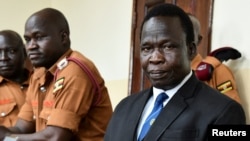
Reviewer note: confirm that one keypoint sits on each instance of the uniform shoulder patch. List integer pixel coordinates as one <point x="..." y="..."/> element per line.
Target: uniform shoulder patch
<point x="58" y="84"/>
<point x="225" y="86"/>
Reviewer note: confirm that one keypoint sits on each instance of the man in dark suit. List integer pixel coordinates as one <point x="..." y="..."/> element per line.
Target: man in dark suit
<point x="167" y="44"/>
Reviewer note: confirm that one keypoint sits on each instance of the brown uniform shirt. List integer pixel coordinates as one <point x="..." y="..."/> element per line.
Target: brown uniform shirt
<point x="12" y="97"/>
<point x="67" y="102"/>
<point x="222" y="77"/>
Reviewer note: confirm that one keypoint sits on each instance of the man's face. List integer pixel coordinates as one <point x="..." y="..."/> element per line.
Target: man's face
<point x="43" y="41"/>
<point x="11" y="56"/>
<point x="165" y="56"/>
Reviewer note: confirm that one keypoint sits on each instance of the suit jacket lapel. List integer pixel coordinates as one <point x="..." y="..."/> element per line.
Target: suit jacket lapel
<point x="136" y="114"/>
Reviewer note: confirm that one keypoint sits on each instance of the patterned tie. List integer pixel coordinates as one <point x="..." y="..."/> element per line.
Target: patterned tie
<point x="153" y="115"/>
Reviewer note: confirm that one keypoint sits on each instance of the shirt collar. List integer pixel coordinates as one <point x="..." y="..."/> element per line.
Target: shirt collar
<point x="172" y="91"/>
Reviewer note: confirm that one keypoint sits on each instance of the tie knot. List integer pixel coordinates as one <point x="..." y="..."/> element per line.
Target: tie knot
<point x="160" y="98"/>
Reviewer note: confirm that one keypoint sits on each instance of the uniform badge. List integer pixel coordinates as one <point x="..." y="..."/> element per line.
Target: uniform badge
<point x="226" y="86"/>
<point x="58" y="84"/>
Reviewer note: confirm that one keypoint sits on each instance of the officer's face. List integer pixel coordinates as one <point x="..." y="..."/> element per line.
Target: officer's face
<point x="43" y="41"/>
<point x="11" y="56"/>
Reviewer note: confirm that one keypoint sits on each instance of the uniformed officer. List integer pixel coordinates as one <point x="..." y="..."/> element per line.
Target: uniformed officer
<point x="217" y="75"/>
<point x="67" y="98"/>
<point x="13" y="76"/>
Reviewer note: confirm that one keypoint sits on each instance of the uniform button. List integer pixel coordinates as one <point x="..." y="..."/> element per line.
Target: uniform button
<point x="42" y="89"/>
<point x="3" y="114"/>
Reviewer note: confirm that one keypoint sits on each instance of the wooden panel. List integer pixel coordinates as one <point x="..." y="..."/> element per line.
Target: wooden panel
<point x="202" y="9"/>
<point x="135" y="74"/>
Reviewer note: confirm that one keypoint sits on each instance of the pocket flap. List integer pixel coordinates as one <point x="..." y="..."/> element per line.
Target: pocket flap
<point x="45" y="113"/>
<point x="6" y="109"/>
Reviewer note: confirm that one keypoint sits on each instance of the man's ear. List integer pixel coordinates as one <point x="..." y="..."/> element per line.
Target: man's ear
<point x="192" y="50"/>
<point x="64" y="36"/>
<point x="199" y="39"/>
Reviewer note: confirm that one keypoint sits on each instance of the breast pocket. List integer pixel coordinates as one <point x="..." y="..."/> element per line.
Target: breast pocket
<point x="47" y="109"/>
<point x="8" y="113"/>
<point x="45" y="113"/>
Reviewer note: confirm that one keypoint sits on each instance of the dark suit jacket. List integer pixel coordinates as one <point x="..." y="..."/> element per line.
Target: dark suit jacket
<point x="185" y="118"/>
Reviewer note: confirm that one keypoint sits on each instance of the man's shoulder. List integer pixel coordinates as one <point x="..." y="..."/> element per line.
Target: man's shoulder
<point x="133" y="99"/>
<point x="214" y="96"/>
<point x="212" y="60"/>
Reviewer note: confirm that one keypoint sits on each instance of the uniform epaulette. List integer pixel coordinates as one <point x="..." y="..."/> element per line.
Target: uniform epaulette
<point x="62" y="64"/>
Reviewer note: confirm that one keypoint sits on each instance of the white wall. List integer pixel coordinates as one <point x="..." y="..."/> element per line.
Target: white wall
<point x="231" y="22"/>
<point x="13" y="13"/>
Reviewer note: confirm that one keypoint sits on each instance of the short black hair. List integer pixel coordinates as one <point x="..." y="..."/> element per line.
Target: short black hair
<point x="57" y="16"/>
<point x="171" y="10"/>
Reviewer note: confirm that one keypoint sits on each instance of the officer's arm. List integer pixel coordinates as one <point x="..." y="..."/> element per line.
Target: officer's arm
<point x="21" y="126"/>
<point x="50" y="133"/>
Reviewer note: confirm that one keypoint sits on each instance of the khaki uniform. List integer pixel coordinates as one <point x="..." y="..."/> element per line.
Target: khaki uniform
<point x="222" y="77"/>
<point x="12" y="97"/>
<point x="67" y="102"/>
